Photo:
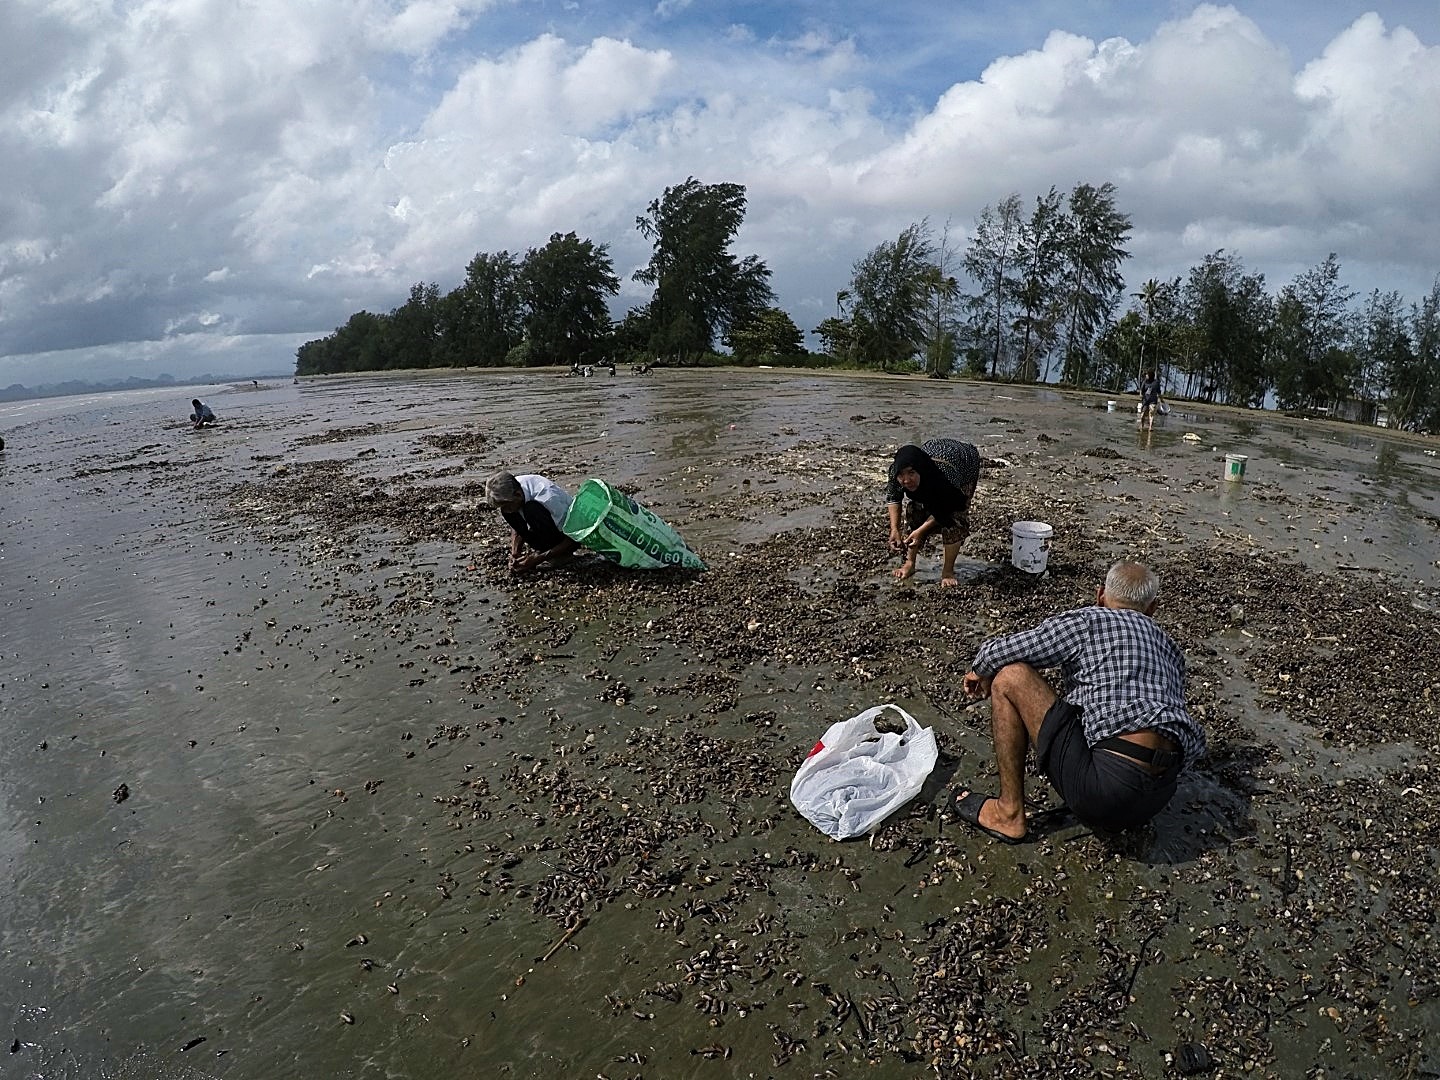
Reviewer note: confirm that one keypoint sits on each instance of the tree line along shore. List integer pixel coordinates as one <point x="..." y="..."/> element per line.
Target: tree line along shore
<point x="1035" y="294"/>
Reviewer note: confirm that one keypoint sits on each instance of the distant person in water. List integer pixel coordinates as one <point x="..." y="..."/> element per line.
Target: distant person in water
<point x="1149" y="399"/>
<point x="202" y="416"/>
<point x="935" y="483"/>
<point x="534" y="508"/>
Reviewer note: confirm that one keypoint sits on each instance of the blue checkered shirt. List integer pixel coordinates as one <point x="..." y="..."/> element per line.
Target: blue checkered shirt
<point x="1117" y="664"/>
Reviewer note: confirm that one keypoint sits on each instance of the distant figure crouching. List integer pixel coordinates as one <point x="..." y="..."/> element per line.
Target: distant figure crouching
<point x="202" y="416"/>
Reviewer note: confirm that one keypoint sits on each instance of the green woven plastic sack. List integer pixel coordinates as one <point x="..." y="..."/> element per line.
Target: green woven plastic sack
<point x="611" y="523"/>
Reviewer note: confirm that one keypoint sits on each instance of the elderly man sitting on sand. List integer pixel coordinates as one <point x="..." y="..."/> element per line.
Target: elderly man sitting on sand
<point x="1114" y="742"/>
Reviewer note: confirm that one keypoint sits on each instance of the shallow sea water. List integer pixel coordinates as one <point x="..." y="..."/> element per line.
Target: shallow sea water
<point x="276" y="703"/>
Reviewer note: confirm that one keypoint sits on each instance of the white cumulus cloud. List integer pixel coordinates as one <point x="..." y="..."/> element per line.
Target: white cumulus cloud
<point x="193" y="169"/>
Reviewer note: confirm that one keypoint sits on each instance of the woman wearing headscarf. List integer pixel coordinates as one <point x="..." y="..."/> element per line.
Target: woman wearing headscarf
<point x="935" y="482"/>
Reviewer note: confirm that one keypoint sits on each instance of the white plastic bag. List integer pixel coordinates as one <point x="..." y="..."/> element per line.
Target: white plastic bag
<point x="857" y="776"/>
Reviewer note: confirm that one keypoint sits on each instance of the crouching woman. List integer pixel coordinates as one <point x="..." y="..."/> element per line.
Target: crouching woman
<point x="930" y="490"/>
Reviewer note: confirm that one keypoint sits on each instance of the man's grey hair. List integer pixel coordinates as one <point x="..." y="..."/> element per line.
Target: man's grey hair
<point x="1133" y="584"/>
<point x="502" y="489"/>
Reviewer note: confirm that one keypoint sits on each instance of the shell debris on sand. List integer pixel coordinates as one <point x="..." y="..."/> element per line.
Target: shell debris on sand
<point x="664" y="714"/>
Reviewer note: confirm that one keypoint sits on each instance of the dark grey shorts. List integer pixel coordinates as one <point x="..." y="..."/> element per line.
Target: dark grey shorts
<point x="1104" y="790"/>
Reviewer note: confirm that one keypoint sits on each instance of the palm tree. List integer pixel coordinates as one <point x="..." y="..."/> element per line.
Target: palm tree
<point x="943" y="291"/>
<point x="1148" y="295"/>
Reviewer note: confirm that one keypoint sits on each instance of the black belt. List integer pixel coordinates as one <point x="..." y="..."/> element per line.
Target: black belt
<point x="1149" y="755"/>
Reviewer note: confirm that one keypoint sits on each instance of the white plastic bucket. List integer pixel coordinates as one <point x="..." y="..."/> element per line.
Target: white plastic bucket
<point x="1030" y="546"/>
<point x="1110" y="406"/>
<point x="1235" y="466"/>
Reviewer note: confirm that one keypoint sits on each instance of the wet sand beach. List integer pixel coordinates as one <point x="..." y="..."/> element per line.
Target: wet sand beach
<point x="299" y="781"/>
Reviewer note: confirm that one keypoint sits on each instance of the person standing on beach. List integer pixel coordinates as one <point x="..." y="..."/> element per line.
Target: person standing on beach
<point x="202" y="416"/>
<point x="1114" y="742"/>
<point x="1149" y="399"/>
<point x="935" y="483"/>
<point x="535" y="509"/>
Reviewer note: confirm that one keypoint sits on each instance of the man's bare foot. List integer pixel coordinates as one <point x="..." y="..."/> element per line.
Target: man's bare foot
<point x="906" y="569"/>
<point x="949" y="582"/>
<point x="984" y="813"/>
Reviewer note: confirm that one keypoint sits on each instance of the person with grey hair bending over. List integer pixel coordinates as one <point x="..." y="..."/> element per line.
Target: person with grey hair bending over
<point x="203" y="415"/>
<point x="535" y="509"/>
<point x="1115" y="740"/>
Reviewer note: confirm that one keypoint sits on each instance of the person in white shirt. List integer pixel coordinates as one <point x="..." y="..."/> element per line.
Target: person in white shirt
<point x="203" y="416"/>
<point x="535" y="509"/>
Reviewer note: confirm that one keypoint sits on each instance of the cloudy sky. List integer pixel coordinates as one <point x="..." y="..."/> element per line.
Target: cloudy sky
<point x="200" y="185"/>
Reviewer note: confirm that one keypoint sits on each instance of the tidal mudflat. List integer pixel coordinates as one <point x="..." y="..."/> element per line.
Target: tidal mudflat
<point x="300" y="782"/>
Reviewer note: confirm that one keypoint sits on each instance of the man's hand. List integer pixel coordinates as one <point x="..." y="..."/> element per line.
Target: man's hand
<point x="976" y="686"/>
<point x="896" y="543"/>
<point x="526" y="564"/>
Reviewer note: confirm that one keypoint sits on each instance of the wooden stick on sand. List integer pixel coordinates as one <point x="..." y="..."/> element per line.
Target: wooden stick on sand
<point x="559" y="944"/>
